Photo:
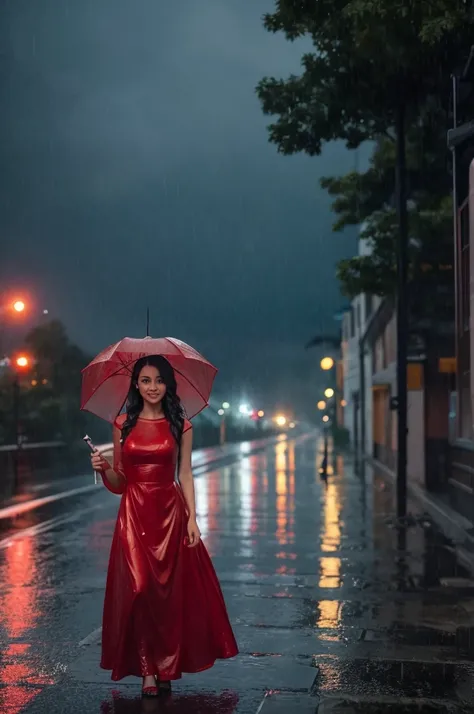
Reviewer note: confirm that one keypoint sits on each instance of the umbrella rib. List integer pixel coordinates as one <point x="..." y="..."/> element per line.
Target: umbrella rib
<point x="191" y="384"/>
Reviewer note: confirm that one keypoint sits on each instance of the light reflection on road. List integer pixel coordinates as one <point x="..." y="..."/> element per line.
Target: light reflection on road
<point x="19" y="614"/>
<point x="329" y="611"/>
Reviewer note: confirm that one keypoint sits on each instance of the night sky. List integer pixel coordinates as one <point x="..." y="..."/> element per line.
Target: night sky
<point x="136" y="169"/>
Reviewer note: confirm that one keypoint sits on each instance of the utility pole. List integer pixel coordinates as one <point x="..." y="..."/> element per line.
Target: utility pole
<point x="402" y="314"/>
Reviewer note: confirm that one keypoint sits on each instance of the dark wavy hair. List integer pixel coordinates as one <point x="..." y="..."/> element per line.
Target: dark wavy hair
<point x="172" y="407"/>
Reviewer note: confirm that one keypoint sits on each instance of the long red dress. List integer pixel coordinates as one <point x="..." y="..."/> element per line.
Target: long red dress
<point x="164" y="612"/>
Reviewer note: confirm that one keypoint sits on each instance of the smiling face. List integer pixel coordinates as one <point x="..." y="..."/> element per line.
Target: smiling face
<point x="151" y="386"/>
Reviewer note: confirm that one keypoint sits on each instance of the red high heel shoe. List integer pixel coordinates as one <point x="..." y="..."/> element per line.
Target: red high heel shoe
<point x="150" y="691"/>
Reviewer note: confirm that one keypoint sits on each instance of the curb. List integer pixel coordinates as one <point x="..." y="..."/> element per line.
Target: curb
<point x="452" y="524"/>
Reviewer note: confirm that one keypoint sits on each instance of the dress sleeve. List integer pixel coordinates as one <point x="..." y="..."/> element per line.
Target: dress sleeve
<point x="187" y="426"/>
<point x="117" y="467"/>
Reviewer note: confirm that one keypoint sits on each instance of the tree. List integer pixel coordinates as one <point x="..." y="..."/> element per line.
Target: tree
<point x="377" y="66"/>
<point x="378" y="69"/>
<point x="366" y="199"/>
<point x="373" y="59"/>
<point x="50" y="393"/>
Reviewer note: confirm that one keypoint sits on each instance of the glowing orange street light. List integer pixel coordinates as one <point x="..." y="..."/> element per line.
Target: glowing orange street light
<point x="321" y="405"/>
<point x="22" y="361"/>
<point x="327" y="363"/>
<point x="19" y="306"/>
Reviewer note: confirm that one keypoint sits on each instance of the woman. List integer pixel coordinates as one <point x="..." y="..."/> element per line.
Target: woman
<point x="164" y="613"/>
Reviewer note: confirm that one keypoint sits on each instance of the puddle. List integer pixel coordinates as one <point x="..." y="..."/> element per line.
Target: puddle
<point x="394" y="678"/>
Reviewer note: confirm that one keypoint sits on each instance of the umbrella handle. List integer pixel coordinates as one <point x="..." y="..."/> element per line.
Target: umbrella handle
<point x="91" y="446"/>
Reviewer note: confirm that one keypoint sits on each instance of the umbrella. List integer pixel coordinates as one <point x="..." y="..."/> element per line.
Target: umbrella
<point x="106" y="380"/>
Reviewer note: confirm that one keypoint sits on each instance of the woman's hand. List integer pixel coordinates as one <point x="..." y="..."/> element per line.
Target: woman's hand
<point x="98" y="462"/>
<point x="194" y="534"/>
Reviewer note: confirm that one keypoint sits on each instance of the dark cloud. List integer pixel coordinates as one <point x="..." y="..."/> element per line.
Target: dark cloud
<point x="136" y="169"/>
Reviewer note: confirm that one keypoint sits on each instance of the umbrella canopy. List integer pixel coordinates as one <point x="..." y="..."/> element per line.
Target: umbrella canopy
<point x="106" y="380"/>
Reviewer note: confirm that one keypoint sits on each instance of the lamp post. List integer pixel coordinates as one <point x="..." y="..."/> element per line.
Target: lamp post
<point x="222" y="426"/>
<point x="21" y="365"/>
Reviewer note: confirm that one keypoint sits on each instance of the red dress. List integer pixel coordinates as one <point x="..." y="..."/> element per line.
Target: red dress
<point x="164" y="612"/>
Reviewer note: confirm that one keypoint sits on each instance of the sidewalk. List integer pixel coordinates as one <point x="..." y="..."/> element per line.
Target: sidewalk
<point x="334" y="610"/>
<point x="454" y="526"/>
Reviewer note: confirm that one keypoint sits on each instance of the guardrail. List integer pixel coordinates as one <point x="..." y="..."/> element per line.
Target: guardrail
<point x="32" y="445"/>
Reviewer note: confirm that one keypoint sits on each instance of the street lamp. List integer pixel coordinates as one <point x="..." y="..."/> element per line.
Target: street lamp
<point x="221" y="412"/>
<point x="225" y="405"/>
<point x="321" y="405"/>
<point x="19" y="306"/>
<point x="325" y="418"/>
<point x="280" y="420"/>
<point x="21" y="364"/>
<point x="329" y="392"/>
<point x="261" y="414"/>
<point x="327" y="363"/>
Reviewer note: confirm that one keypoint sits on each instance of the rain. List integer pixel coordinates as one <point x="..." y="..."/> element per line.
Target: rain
<point x="167" y="175"/>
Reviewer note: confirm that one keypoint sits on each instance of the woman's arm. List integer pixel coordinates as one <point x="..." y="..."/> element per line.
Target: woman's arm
<point x="185" y="474"/>
<point x="112" y="478"/>
<point x="187" y="484"/>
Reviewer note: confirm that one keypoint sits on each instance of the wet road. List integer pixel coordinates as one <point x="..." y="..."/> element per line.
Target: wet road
<point x="334" y="610"/>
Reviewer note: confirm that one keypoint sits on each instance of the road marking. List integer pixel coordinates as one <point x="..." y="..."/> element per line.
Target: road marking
<point x="92" y="638"/>
<point x="47" y="525"/>
<point x="18" y="508"/>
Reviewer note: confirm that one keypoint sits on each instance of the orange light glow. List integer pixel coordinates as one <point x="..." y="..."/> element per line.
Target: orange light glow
<point x="22" y="361"/>
<point x="327" y="363"/>
<point x="19" y="306"/>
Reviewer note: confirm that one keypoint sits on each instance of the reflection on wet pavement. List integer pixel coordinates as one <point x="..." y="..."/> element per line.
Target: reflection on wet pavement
<point x="204" y="703"/>
<point x="332" y="605"/>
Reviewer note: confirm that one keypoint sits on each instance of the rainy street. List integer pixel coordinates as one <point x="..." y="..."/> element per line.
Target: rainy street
<point x="332" y="610"/>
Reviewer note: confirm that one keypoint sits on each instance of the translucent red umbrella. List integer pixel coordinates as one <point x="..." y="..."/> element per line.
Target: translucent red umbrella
<point x="106" y="380"/>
